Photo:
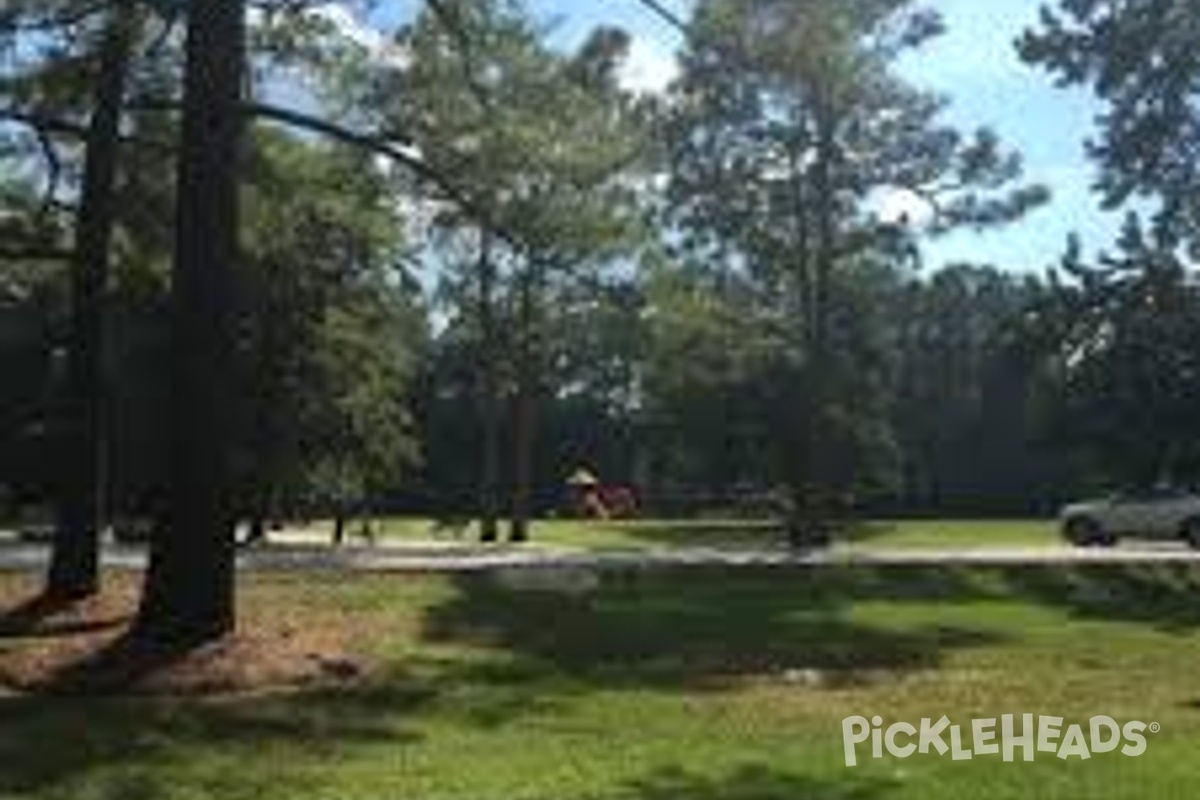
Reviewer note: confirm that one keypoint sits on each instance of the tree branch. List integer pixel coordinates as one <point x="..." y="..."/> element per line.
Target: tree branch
<point x="40" y="121"/>
<point x="381" y="146"/>
<point x="378" y="144"/>
<point x="46" y="124"/>
<point x="13" y="24"/>
<point x="666" y="15"/>
<point x="35" y="253"/>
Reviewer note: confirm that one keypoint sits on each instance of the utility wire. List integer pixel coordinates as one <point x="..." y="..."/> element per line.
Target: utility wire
<point x="668" y="16"/>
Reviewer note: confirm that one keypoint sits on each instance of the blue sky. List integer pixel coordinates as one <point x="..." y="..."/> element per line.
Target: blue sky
<point x="975" y="64"/>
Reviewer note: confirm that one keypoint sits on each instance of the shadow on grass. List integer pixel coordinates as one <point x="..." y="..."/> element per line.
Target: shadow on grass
<point x="752" y="782"/>
<point x="862" y="531"/>
<point x="734" y="533"/>
<point x="684" y="630"/>
<point x="1164" y="596"/>
<point x="52" y="745"/>
<point x="78" y="732"/>
<point x="151" y="749"/>
<point x="703" y="533"/>
<point x="116" y="667"/>
<point x="35" y="618"/>
<point x="693" y="628"/>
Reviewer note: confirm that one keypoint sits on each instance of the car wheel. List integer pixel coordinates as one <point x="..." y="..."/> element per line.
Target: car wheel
<point x="1083" y="531"/>
<point x="1191" y="532"/>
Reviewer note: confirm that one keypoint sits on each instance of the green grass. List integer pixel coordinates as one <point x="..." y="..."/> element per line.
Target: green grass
<point x="639" y="535"/>
<point x="963" y="533"/>
<point x="664" y="686"/>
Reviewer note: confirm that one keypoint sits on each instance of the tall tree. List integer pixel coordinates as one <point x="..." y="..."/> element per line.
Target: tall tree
<point x="189" y="591"/>
<point x="546" y="187"/>
<point x="456" y="102"/>
<point x="962" y="391"/>
<point x="65" y="79"/>
<point x="74" y="568"/>
<point x="1140" y="59"/>
<point x="790" y="118"/>
<point x="328" y="332"/>
<point x="575" y="210"/>
<point x="1121" y="337"/>
<point x="1124" y="335"/>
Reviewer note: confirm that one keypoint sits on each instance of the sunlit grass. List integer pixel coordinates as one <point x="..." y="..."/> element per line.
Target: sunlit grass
<point x="695" y="685"/>
<point x="650" y="534"/>
<point x="963" y="533"/>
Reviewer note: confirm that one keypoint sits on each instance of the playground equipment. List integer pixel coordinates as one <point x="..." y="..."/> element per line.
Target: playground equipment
<point x="591" y="499"/>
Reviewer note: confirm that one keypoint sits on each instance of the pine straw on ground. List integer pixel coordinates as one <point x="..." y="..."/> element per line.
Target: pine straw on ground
<point x="283" y="643"/>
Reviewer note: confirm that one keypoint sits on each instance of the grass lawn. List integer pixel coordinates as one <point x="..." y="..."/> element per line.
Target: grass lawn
<point x="696" y="685"/>
<point x="963" y="533"/>
<point x="647" y="534"/>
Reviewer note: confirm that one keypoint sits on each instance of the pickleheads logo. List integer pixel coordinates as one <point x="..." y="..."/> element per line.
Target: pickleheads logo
<point x="1004" y="737"/>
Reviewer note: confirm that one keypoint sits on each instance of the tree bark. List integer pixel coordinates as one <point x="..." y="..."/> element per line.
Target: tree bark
<point x="819" y="373"/>
<point x="74" y="564"/>
<point x="189" y="592"/>
<point x="257" y="533"/>
<point x="339" y="526"/>
<point x="489" y="396"/>
<point x="808" y="472"/>
<point x="525" y="409"/>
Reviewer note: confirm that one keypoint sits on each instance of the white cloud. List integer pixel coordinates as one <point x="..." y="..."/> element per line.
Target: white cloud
<point x="893" y="204"/>
<point x="354" y="29"/>
<point x="650" y="67"/>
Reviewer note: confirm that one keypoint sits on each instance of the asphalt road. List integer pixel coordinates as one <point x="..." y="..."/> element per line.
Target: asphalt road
<point x="451" y="558"/>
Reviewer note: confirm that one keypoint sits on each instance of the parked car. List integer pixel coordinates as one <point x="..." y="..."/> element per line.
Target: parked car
<point x="1160" y="513"/>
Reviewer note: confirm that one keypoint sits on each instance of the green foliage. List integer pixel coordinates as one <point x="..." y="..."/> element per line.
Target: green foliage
<point x="330" y="332"/>
<point x="789" y="119"/>
<point x="698" y="288"/>
<point x="1140" y="59"/>
<point x="765" y="83"/>
<point x="327" y="329"/>
<point x="707" y="366"/>
<point x="543" y="146"/>
<point x="964" y="395"/>
<point x="29" y="306"/>
<point x="1122" y="383"/>
<point x="1122" y="336"/>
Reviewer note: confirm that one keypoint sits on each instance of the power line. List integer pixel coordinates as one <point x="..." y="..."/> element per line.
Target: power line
<point x="668" y="16"/>
<point x="729" y="52"/>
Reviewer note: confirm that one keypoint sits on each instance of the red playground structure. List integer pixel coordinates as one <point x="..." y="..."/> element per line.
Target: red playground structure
<point x="591" y="499"/>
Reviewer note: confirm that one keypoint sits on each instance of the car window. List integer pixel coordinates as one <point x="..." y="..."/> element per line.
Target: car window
<point x="1155" y="495"/>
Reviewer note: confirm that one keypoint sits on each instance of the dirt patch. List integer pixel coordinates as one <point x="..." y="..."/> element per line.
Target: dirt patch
<point x="283" y="643"/>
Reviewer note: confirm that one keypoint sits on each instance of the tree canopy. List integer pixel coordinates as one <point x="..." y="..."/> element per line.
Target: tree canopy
<point x="254" y="268"/>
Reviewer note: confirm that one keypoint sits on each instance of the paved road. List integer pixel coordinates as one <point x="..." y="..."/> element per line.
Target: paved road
<point x="442" y="557"/>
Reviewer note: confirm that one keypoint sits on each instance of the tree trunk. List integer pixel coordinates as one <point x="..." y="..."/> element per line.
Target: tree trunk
<point x="816" y="471"/>
<point x="525" y="410"/>
<point x="189" y="592"/>
<point x="489" y="397"/>
<point x="257" y="529"/>
<point x="339" y="526"/>
<point x="74" y="564"/>
<point x="799" y="419"/>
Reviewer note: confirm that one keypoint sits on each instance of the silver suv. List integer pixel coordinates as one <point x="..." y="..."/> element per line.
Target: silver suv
<point x="1159" y="513"/>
